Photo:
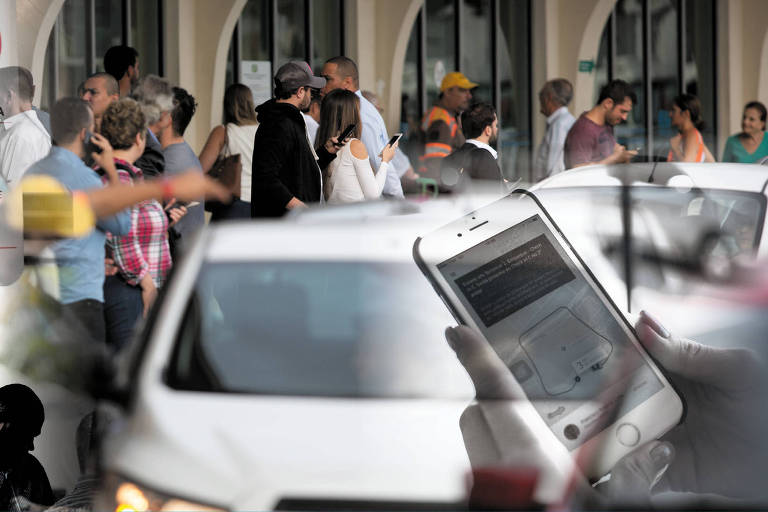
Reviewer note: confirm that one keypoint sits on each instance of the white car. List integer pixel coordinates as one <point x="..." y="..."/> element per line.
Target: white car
<point x="301" y="363"/>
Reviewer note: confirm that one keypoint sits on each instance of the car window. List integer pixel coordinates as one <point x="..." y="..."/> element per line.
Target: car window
<point x="317" y="328"/>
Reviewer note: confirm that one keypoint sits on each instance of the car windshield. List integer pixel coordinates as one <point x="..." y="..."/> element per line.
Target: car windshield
<point x="344" y="329"/>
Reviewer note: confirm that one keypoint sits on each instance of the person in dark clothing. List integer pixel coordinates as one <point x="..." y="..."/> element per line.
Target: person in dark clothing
<point x="286" y="171"/>
<point x="21" y="475"/>
<point x="475" y="159"/>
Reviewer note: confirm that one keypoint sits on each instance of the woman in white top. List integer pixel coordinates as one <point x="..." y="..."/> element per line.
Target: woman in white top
<point x="234" y="137"/>
<point x="349" y="177"/>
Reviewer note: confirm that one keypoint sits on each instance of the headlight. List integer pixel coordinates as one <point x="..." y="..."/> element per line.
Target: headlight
<point x="120" y="495"/>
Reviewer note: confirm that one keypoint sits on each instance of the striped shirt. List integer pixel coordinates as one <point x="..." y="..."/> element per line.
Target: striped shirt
<point x="145" y="248"/>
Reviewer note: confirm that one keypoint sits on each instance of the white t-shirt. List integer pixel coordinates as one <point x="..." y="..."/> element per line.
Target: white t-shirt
<point x="240" y="140"/>
<point x="24" y="142"/>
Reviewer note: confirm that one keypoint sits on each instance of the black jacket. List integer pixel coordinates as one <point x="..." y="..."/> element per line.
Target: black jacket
<point x="152" y="161"/>
<point x="469" y="161"/>
<point x="283" y="164"/>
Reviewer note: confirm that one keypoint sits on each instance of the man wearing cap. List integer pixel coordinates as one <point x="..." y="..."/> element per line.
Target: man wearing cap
<point x="442" y="133"/>
<point x="286" y="169"/>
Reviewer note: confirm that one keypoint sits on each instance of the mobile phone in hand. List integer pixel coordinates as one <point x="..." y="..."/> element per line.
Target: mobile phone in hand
<point x="395" y="138"/>
<point x="346" y="133"/>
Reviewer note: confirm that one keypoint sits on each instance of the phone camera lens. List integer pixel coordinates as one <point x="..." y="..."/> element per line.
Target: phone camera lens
<point x="571" y="432"/>
<point x="459" y="234"/>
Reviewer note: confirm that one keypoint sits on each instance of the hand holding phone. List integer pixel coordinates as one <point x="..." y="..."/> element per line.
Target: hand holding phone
<point x="388" y="152"/>
<point x="345" y="134"/>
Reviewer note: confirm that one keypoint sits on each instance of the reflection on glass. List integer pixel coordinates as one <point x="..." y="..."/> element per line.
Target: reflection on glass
<point x="48" y="94"/>
<point x="601" y="66"/>
<point x="476" y="34"/>
<point x="290" y="31"/>
<point x="71" y="47"/>
<point x="410" y="115"/>
<point x="699" y="63"/>
<point x="441" y="46"/>
<point x="515" y="115"/>
<point x="254" y="31"/>
<point x="665" y="85"/>
<point x="108" y="29"/>
<point x="145" y="35"/>
<point x="629" y="67"/>
<point x="326" y="31"/>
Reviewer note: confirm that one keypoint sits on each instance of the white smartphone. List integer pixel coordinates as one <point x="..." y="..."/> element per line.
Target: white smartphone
<point x="508" y="271"/>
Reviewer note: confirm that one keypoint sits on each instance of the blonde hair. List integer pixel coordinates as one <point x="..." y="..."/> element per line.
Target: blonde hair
<point x="121" y="122"/>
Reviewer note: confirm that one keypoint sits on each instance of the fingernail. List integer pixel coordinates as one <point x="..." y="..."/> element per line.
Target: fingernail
<point x="662" y="455"/>
<point x="654" y="324"/>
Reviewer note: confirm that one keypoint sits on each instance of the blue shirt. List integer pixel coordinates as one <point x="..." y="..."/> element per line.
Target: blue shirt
<point x="374" y="137"/>
<point x="80" y="260"/>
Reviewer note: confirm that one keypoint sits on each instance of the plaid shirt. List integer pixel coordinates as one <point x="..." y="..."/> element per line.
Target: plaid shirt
<point x="145" y="248"/>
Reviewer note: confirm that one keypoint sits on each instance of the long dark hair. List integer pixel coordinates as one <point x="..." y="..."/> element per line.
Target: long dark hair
<point x="692" y="104"/>
<point x="238" y="105"/>
<point x="339" y="109"/>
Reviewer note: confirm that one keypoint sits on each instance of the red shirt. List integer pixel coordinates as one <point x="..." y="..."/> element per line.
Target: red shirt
<point x="588" y="142"/>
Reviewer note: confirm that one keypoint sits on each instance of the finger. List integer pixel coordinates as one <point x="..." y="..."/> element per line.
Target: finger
<point x="729" y="368"/>
<point x="171" y="202"/>
<point x="491" y="377"/>
<point x="633" y="477"/>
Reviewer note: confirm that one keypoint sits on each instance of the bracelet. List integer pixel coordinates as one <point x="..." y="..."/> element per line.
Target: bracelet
<point x="167" y="189"/>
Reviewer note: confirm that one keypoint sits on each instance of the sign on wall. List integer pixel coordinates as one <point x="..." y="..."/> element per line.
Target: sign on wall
<point x="257" y="75"/>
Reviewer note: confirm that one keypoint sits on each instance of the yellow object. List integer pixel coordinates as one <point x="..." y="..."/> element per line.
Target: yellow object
<point x="456" y="79"/>
<point x="44" y="208"/>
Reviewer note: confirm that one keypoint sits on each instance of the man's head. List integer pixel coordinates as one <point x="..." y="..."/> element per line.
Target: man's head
<point x="293" y="84"/>
<point x="455" y="91"/>
<point x="555" y="94"/>
<point x="71" y="118"/>
<point x="21" y="420"/>
<point x="184" y="107"/>
<point x="155" y="96"/>
<point x="340" y="73"/>
<point x="120" y="61"/>
<point x="99" y="90"/>
<point x="615" y="101"/>
<point x="480" y="122"/>
<point x="16" y="90"/>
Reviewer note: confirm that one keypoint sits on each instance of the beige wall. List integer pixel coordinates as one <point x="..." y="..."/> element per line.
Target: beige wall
<point x="34" y="20"/>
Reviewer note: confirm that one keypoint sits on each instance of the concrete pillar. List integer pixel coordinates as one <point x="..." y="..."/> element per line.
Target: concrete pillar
<point x="34" y="20"/>
<point x="9" y="55"/>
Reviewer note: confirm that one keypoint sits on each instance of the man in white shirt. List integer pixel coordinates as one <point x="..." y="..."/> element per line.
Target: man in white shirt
<point x="25" y="140"/>
<point x="311" y="117"/>
<point x="554" y="98"/>
<point x="341" y="73"/>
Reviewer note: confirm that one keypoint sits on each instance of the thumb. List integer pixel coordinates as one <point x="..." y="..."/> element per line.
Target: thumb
<point x="633" y="477"/>
<point x="729" y="368"/>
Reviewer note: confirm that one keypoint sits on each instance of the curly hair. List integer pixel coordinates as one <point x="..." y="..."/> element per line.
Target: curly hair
<point x="121" y="122"/>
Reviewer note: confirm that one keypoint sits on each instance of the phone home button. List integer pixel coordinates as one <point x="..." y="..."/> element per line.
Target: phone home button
<point x="628" y="434"/>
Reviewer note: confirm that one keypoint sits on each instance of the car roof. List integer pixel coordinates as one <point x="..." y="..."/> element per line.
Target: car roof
<point x="724" y="176"/>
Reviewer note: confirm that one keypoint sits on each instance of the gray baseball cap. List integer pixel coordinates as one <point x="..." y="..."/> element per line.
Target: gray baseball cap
<point x="297" y="74"/>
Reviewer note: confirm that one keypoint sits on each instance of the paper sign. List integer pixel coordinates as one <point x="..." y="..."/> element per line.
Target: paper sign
<point x="257" y="75"/>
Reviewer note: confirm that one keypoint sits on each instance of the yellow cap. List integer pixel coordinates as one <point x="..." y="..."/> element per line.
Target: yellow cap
<point x="456" y="79"/>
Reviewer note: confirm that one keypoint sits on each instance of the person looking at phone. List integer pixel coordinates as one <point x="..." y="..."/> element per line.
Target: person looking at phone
<point x="476" y="159"/>
<point x="590" y="140"/>
<point x="286" y="168"/>
<point x="25" y="139"/>
<point x="717" y="450"/>
<point x="341" y="73"/>
<point x="350" y="177"/>
<point x="80" y="261"/>
<point x="142" y="257"/>
<point x="688" y="145"/>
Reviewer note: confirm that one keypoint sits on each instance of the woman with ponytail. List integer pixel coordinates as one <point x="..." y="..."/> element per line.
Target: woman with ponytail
<point x="688" y="145"/>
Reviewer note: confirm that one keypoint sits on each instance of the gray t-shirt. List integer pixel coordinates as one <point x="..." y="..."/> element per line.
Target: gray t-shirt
<point x="179" y="157"/>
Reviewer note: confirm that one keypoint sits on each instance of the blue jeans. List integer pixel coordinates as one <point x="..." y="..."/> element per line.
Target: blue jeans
<point x="122" y="310"/>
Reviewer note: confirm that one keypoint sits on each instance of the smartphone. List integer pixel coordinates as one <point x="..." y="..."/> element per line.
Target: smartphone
<point x="90" y="147"/>
<point x="395" y="138"/>
<point x="346" y="133"/>
<point x="508" y="271"/>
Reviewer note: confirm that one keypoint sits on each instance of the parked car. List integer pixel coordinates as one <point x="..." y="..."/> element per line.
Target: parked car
<point x="301" y="363"/>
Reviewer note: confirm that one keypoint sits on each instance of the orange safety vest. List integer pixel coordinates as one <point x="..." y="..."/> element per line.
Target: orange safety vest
<point x="438" y="149"/>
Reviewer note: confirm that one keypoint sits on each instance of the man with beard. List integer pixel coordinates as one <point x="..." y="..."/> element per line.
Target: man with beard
<point x="286" y="169"/>
<point x="476" y="159"/>
<point x="122" y="62"/>
<point x="21" y="475"/>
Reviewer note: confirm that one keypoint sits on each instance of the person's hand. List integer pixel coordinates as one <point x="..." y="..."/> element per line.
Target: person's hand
<point x="388" y="153"/>
<point x="175" y="212"/>
<point x="110" y="268"/>
<point x="503" y="429"/>
<point x="192" y="185"/>
<point x="621" y="154"/>
<point x="148" y="293"/>
<point x="295" y="203"/>
<point x="720" y="446"/>
<point x="333" y="145"/>
<point x="105" y="159"/>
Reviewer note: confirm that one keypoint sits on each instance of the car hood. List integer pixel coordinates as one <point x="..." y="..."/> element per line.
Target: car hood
<point x="251" y="452"/>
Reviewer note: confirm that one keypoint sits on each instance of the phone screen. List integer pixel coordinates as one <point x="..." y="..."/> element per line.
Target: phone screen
<point x="395" y="138"/>
<point x="552" y="330"/>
